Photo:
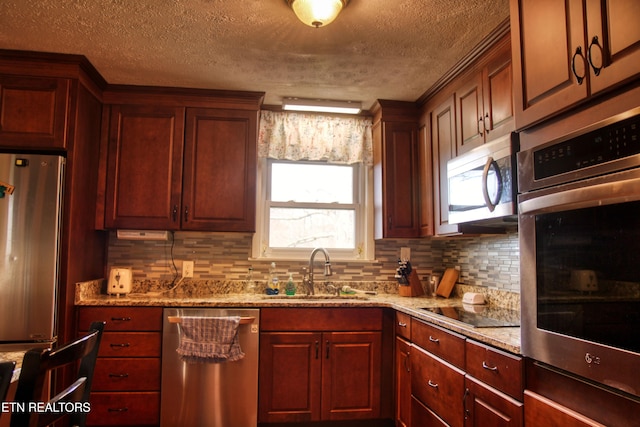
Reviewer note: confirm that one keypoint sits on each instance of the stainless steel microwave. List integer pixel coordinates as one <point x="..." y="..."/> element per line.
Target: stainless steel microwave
<point x="482" y="183"/>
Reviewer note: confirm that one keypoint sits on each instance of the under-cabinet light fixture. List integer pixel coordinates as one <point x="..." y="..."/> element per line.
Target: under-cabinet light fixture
<point x="321" y="106"/>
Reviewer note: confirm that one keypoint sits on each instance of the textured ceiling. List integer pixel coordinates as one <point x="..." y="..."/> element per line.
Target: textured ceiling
<point x="376" y="49"/>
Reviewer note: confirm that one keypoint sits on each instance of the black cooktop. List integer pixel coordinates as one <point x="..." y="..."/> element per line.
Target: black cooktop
<point x="479" y="316"/>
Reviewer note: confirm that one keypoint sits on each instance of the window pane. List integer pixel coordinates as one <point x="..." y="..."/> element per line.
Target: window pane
<point x="311" y="183"/>
<point x="310" y="228"/>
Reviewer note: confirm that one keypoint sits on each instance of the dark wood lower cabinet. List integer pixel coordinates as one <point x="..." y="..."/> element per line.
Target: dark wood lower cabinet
<point x="486" y="406"/>
<point x="326" y="374"/>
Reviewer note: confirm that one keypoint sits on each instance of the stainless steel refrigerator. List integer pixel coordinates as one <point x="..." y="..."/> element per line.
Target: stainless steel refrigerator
<point x="30" y="213"/>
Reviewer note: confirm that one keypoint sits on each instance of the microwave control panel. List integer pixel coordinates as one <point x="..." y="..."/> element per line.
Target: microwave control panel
<point x="612" y="142"/>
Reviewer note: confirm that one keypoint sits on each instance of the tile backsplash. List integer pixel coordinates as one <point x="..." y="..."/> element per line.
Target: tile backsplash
<point x="491" y="261"/>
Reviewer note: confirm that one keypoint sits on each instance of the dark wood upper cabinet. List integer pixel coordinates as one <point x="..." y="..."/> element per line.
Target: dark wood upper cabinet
<point x="176" y="167"/>
<point x="566" y="52"/>
<point x="396" y="165"/>
<point x="219" y="181"/>
<point x="34" y="112"/>
<point x="145" y="167"/>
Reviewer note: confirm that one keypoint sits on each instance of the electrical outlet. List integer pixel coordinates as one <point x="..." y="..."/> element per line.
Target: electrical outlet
<point x="187" y="269"/>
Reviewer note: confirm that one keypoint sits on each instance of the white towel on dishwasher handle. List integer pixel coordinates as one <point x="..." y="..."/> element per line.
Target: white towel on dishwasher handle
<point x="209" y="339"/>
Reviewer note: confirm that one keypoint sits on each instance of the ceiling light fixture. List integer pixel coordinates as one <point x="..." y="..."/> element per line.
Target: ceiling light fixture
<point x="321" y="106"/>
<point x="317" y="13"/>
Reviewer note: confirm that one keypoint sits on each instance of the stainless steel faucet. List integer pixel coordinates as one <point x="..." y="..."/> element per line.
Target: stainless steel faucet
<point x="308" y="282"/>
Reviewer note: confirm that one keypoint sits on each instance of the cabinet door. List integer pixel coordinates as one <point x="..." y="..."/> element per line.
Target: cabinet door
<point x="33" y="112"/>
<point x="484" y="406"/>
<point x="290" y="377"/>
<point x="399" y="186"/>
<point x="219" y="185"/>
<point x="403" y="383"/>
<point x="351" y="375"/>
<point x="497" y="92"/>
<point x="540" y="411"/>
<point x="547" y="39"/>
<point x="425" y="169"/>
<point x="438" y="385"/>
<point x="144" y="167"/>
<point x="470" y="124"/>
<point x="613" y="37"/>
<point x="443" y="137"/>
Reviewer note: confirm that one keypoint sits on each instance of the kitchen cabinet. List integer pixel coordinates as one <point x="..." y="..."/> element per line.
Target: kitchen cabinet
<point x="564" y="53"/>
<point x="484" y="102"/>
<point x="403" y="383"/>
<point x="443" y="145"/>
<point x="542" y="411"/>
<point x="126" y="383"/>
<point x="34" y="111"/>
<point x="425" y="180"/>
<point x="320" y="364"/>
<point x="457" y="381"/>
<point x="494" y="386"/>
<point x="395" y="169"/>
<point x="472" y="107"/>
<point x="554" y="397"/>
<point x="178" y="167"/>
<point x="437" y="372"/>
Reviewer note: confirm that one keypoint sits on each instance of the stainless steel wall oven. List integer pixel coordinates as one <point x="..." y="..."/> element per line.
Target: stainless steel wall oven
<point x="579" y="228"/>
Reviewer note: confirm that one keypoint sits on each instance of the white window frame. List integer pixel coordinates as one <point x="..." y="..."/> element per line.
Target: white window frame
<point x="363" y="203"/>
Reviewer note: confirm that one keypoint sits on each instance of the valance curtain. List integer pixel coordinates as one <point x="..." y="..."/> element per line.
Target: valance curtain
<point x="299" y="136"/>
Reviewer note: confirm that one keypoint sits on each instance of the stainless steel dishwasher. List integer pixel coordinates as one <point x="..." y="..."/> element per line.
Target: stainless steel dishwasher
<point x="210" y="394"/>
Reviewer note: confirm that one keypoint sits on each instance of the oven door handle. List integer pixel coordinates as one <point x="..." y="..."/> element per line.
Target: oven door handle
<point x="491" y="204"/>
<point x="607" y="193"/>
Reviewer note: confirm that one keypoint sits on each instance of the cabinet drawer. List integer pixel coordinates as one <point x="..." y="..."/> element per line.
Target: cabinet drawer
<point x="439" y="385"/>
<point x="121" y="318"/>
<point x="130" y="344"/>
<point x="321" y="319"/>
<point x="445" y="344"/>
<point x="403" y="325"/>
<point x="124" y="409"/>
<point x="423" y="416"/>
<point x="499" y="369"/>
<point x="142" y="374"/>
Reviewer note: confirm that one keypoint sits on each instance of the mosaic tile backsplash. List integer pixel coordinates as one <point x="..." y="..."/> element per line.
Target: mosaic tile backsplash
<point x="490" y="261"/>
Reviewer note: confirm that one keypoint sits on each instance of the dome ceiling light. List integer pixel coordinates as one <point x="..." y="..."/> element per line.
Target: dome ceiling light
<point x="317" y="13"/>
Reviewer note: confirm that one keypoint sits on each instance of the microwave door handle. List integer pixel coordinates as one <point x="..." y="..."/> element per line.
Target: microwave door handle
<point x="607" y="193"/>
<point x="491" y="204"/>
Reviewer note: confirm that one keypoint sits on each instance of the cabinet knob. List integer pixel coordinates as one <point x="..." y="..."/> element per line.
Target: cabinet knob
<point x="186" y="213"/>
<point x="175" y="213"/>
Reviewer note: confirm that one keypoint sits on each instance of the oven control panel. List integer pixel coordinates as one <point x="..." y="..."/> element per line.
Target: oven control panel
<point x="612" y="142"/>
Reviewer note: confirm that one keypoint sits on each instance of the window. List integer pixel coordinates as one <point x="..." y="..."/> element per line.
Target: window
<point x="312" y="204"/>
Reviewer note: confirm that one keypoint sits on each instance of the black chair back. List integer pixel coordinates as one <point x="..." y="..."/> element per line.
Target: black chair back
<point x="73" y="400"/>
<point x="6" y="372"/>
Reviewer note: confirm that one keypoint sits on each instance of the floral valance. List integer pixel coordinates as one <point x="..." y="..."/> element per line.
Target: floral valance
<point x="299" y="136"/>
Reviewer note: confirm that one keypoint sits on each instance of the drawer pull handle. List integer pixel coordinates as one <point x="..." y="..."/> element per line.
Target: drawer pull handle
<point x="432" y="384"/>
<point x="126" y="344"/>
<point x="490" y="368"/>
<point x="118" y="409"/>
<point x="112" y="375"/>
<point x="121" y="319"/>
<point x="432" y="339"/>
<point x="402" y="324"/>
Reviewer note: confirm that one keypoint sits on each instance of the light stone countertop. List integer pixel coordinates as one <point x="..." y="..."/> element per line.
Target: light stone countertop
<point x="506" y="338"/>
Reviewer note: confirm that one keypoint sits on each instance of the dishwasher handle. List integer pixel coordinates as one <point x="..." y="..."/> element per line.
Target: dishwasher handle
<point x="243" y="320"/>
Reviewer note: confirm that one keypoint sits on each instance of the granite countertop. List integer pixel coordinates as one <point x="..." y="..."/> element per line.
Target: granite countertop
<point x="506" y="338"/>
